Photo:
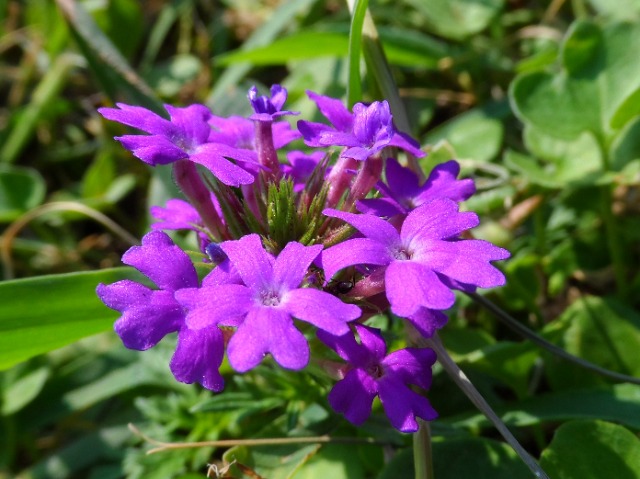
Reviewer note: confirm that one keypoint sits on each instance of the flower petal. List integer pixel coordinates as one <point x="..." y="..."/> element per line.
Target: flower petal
<point x="210" y="156"/>
<point x="154" y="150"/>
<point x="371" y="226"/>
<point x="442" y="182"/>
<point x="147" y="315"/>
<point x="292" y="264"/>
<point x="411" y="366"/>
<point x="249" y="258"/>
<point x="198" y="357"/>
<point x="467" y="261"/>
<point x="353" y="396"/>
<point x="410" y="285"/>
<point x="321" y="309"/>
<point x="226" y="304"/>
<point x="402" y="405"/>
<point x="427" y="321"/>
<point x="438" y="219"/>
<point x="333" y="110"/>
<point x="162" y="262"/>
<point x="140" y="118"/>
<point x="267" y="330"/>
<point x="352" y="252"/>
<point x="192" y="122"/>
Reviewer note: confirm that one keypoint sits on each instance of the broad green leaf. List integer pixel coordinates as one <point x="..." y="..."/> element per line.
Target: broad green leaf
<point x="23" y="390"/>
<point x="334" y="460"/>
<point x="592" y="450"/>
<point x="596" y="90"/>
<point x="99" y="175"/>
<point x="457" y="19"/>
<point x="603" y="331"/>
<point x="475" y="134"/>
<point x="626" y="147"/>
<point x="457" y="458"/>
<point x="20" y="190"/>
<point x="626" y="10"/>
<point x="47" y="312"/>
<point x="619" y="403"/>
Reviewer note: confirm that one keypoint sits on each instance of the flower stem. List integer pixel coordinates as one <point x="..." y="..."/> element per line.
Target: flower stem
<point x="188" y="179"/>
<point x="613" y="242"/>
<point x="461" y="379"/>
<point x="422" y="454"/>
<point x="267" y="155"/>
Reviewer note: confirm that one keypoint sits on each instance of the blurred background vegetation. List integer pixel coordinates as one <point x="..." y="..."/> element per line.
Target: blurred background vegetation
<point x="539" y="101"/>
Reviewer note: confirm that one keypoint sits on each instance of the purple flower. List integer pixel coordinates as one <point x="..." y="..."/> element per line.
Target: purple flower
<point x="269" y="108"/>
<point x="263" y="307"/>
<point x="404" y="192"/>
<point x="420" y="259"/>
<point x="239" y="132"/>
<point x="365" y="132"/>
<point x="148" y="315"/>
<point x="185" y="135"/>
<point x="374" y="374"/>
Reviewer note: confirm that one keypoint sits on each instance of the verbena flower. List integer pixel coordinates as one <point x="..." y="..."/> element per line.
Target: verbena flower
<point x="239" y="132"/>
<point x="185" y="135"/>
<point x="301" y="166"/>
<point x="148" y="315"/>
<point x="264" y="305"/>
<point x="269" y="108"/>
<point x="403" y="192"/>
<point x="419" y="257"/>
<point x="372" y="373"/>
<point x="365" y="132"/>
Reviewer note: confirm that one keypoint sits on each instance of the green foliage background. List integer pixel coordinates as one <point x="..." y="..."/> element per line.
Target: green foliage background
<point x="538" y="100"/>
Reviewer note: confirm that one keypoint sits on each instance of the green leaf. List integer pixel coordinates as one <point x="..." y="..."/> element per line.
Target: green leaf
<point x="274" y="462"/>
<point x="596" y="89"/>
<point x="20" y="190"/>
<point x="354" y="83"/>
<point x="47" y="312"/>
<point x="457" y="458"/>
<point x="170" y="76"/>
<point x="620" y="403"/>
<point x="603" y="331"/>
<point x="457" y="19"/>
<point x="626" y="146"/>
<point x="592" y="450"/>
<point x="21" y="392"/>
<point x="476" y="134"/>
<point x="626" y="10"/>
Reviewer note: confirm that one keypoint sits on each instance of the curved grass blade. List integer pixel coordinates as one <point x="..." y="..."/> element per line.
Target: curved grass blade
<point x="107" y="63"/>
<point x="354" y="85"/>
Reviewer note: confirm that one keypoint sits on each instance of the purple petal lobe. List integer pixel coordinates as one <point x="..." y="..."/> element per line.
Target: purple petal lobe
<point x="140" y="118"/>
<point x="372" y="341"/>
<point x="198" y="356"/>
<point x="226" y="305"/>
<point x="334" y="110"/>
<point x="154" y="150"/>
<point x="267" y="330"/>
<point x="442" y="182"/>
<point x="321" y="309"/>
<point x="371" y="226"/>
<point x="438" y="219"/>
<point x="410" y="285"/>
<point x="147" y="315"/>
<point x="402" y="405"/>
<point x="353" y="396"/>
<point x="411" y="366"/>
<point x="162" y="262"/>
<point x="427" y="321"/>
<point x="223" y="169"/>
<point x="253" y="263"/>
<point x="352" y="252"/>
<point x="292" y="264"/>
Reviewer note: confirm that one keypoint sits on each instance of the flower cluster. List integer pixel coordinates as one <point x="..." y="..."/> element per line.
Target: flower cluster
<point x="315" y="240"/>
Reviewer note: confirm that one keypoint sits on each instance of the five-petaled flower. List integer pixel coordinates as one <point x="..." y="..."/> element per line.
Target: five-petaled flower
<point x="373" y="373"/>
<point x="264" y="305"/>
<point x="427" y="248"/>
<point x="148" y="315"/>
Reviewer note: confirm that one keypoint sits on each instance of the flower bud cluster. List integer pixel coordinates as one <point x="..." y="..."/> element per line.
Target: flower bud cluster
<point x="313" y="240"/>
